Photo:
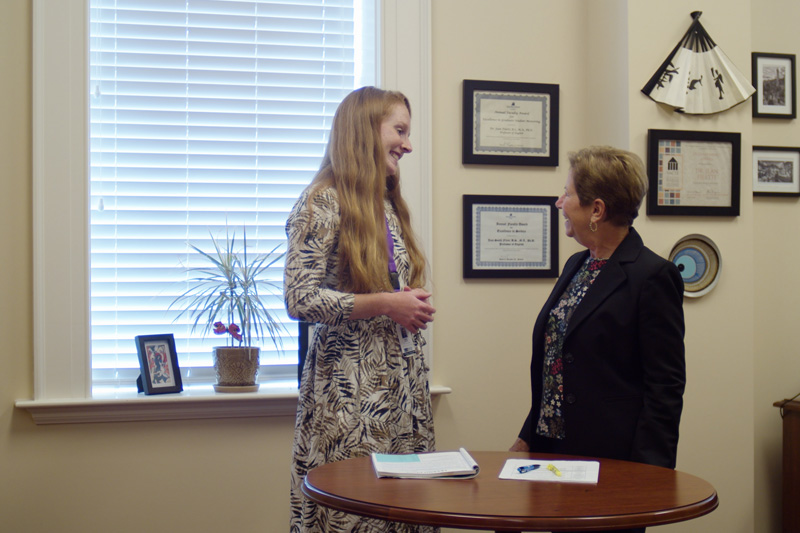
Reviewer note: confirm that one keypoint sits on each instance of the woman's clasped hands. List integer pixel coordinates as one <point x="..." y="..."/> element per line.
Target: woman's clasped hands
<point x="410" y="309"/>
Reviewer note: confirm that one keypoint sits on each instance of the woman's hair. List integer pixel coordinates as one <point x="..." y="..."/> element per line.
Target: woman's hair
<point x="355" y="166"/>
<point x="615" y="176"/>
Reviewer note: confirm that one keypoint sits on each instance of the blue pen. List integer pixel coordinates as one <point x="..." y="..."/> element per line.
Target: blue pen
<point x="528" y="468"/>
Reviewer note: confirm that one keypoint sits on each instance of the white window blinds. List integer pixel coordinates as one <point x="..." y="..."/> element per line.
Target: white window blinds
<point x="204" y="113"/>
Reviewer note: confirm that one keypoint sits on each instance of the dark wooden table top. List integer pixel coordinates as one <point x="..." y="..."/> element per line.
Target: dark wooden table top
<point x="627" y="495"/>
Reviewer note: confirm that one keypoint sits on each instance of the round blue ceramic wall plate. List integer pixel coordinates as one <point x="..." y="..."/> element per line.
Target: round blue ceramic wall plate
<point x="700" y="264"/>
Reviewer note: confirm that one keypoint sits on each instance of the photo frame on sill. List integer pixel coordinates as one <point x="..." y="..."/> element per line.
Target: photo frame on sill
<point x="510" y="236"/>
<point x="510" y="123"/>
<point x="774" y="78"/>
<point x="693" y="173"/>
<point x="158" y="363"/>
<point x="776" y="171"/>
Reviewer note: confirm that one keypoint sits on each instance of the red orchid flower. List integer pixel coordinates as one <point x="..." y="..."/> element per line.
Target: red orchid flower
<point x="234" y="330"/>
<point x="219" y="328"/>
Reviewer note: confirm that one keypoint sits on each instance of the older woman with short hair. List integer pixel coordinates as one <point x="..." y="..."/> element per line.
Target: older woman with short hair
<point x="608" y="371"/>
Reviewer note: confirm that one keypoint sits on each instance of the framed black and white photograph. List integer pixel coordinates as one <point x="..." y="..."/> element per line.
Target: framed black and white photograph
<point x="158" y="363"/>
<point x="510" y="123"/>
<point x="774" y="80"/>
<point x="776" y="171"/>
<point x="693" y="173"/>
<point x="510" y="236"/>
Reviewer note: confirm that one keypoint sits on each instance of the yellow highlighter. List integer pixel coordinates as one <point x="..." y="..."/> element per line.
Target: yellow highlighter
<point x="554" y="470"/>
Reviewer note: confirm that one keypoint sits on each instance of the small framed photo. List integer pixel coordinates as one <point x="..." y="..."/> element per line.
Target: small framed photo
<point x="510" y="123"/>
<point x="158" y="363"/>
<point x="693" y="173"/>
<point x="510" y="236"/>
<point x="776" y="171"/>
<point x="774" y="80"/>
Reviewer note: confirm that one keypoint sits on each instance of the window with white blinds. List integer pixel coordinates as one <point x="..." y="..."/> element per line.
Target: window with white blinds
<point x="204" y="114"/>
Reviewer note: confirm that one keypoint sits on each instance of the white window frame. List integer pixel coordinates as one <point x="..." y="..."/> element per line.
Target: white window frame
<point x="62" y="368"/>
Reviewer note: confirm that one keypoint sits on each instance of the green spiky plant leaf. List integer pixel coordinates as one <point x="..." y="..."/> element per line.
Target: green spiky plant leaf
<point x="229" y="289"/>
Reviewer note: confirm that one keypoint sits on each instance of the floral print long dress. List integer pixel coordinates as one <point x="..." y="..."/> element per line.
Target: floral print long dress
<point x="358" y="393"/>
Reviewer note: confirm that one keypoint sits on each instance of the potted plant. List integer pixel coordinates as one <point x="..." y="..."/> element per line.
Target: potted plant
<point x="225" y="297"/>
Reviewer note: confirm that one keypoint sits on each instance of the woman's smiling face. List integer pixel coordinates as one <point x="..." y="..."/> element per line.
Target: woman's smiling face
<point x="576" y="216"/>
<point x="395" y="130"/>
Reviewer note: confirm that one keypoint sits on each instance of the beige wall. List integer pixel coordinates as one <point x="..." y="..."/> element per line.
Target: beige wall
<point x="105" y="477"/>
<point x="775" y="236"/>
<point x="717" y="427"/>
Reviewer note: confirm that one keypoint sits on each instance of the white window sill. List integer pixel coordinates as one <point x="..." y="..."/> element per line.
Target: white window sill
<point x="200" y="402"/>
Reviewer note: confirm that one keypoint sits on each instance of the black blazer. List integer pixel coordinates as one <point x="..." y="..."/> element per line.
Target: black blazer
<point x="624" y="370"/>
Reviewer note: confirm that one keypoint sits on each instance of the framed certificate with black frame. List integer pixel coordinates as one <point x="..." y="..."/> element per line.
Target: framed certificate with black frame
<point x="510" y="236"/>
<point x="693" y="173"/>
<point x="510" y="123"/>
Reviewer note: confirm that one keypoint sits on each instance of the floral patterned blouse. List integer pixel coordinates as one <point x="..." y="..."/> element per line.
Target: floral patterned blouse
<point x="359" y="393"/>
<point x="551" y="419"/>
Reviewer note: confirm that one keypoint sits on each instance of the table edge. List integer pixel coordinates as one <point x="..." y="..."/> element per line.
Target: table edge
<point x="466" y="521"/>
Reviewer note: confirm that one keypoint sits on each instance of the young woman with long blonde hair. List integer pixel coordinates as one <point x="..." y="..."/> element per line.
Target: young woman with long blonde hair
<point x="355" y="270"/>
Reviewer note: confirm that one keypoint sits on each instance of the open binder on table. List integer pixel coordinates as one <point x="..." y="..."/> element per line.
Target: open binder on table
<point x="432" y="465"/>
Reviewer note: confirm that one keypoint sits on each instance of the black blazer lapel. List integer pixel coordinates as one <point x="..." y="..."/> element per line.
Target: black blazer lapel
<point x="612" y="276"/>
<point x="606" y="283"/>
<point x="572" y="266"/>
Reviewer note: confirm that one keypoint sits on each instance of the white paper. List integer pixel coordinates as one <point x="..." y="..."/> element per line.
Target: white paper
<point x="425" y="465"/>
<point x="694" y="173"/>
<point x="510" y="124"/>
<point x="571" y="471"/>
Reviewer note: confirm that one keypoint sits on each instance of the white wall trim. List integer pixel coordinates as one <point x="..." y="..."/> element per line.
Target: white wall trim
<point x="60" y="200"/>
<point x="183" y="406"/>
<point x="406" y="67"/>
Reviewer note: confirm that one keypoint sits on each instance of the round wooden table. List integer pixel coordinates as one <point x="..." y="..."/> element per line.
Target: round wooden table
<point x="626" y="495"/>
